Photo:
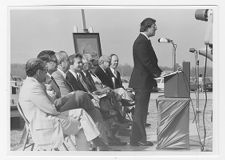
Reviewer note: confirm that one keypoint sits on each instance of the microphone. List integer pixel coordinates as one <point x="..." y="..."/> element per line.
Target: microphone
<point x="203" y="53"/>
<point x="192" y="50"/>
<point x="164" y="40"/>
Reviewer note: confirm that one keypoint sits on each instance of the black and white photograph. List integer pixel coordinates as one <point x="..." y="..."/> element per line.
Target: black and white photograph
<point x="113" y="80"/>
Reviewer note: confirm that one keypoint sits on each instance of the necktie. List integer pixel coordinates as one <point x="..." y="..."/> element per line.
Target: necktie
<point x="115" y="73"/>
<point x="81" y="81"/>
<point x="90" y="82"/>
<point x="114" y="82"/>
<point x="54" y="81"/>
<point x="91" y="79"/>
<point x="57" y="90"/>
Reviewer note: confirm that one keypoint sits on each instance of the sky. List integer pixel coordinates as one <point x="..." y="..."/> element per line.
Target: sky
<point x="34" y="30"/>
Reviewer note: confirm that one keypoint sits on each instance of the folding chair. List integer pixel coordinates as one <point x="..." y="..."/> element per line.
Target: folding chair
<point x="27" y="135"/>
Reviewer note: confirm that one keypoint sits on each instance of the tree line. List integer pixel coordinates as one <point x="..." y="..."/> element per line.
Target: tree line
<point x="125" y="70"/>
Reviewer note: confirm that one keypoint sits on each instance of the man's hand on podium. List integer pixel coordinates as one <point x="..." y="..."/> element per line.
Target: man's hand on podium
<point x="163" y="74"/>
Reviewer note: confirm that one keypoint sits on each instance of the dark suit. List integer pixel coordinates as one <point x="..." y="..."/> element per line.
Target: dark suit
<point x="77" y="85"/>
<point x="118" y="81"/>
<point x="86" y="76"/>
<point x="82" y="100"/>
<point x="142" y="80"/>
<point x="104" y="77"/>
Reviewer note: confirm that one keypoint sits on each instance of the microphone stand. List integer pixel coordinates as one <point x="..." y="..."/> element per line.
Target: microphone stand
<point x="197" y="80"/>
<point x="174" y="55"/>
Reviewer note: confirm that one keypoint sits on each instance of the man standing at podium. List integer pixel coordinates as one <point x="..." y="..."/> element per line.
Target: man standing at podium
<point x="142" y="80"/>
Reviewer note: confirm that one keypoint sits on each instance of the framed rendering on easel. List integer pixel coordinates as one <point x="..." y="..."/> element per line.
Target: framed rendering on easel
<point x="87" y="43"/>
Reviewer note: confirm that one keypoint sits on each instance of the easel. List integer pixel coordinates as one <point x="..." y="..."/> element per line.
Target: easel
<point x="85" y="29"/>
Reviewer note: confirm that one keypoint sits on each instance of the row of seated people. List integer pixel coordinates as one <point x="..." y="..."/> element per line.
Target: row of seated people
<point x="66" y="96"/>
<point x="52" y="117"/>
<point x="82" y="77"/>
<point x="106" y="71"/>
<point x="79" y="78"/>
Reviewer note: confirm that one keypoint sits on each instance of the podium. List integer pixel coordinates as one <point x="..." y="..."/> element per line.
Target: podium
<point x="176" y="85"/>
<point x="173" y="123"/>
<point x="173" y="111"/>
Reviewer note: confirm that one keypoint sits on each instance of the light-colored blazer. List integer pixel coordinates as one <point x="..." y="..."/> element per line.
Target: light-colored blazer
<point x="64" y="86"/>
<point x="41" y="113"/>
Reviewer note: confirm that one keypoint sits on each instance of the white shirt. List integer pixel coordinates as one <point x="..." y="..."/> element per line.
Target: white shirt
<point x="95" y="78"/>
<point x="50" y="91"/>
<point x="145" y="35"/>
<point x="64" y="74"/>
<point x="84" y="73"/>
<point x="114" y="72"/>
<point x="102" y="69"/>
<point x="77" y="75"/>
<point x="73" y="73"/>
<point x="49" y="74"/>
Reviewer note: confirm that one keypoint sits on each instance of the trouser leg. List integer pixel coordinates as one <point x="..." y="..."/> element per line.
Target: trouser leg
<point x="72" y="126"/>
<point x="87" y="124"/>
<point x="81" y="141"/>
<point x="140" y="113"/>
<point x="99" y="122"/>
<point x="146" y="111"/>
<point x="74" y="100"/>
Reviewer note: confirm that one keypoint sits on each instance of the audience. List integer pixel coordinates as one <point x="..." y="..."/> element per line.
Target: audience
<point x="103" y="73"/>
<point x="79" y="80"/>
<point x="67" y="96"/>
<point x="79" y="99"/>
<point x="48" y="126"/>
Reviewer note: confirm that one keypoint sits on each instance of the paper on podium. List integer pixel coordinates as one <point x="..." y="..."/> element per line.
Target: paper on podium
<point x="170" y="74"/>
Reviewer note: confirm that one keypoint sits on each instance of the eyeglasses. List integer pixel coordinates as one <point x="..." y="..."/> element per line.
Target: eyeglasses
<point x="44" y="70"/>
<point x="53" y="60"/>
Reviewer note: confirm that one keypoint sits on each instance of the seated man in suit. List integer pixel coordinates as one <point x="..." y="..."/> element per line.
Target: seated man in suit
<point x="106" y="79"/>
<point x="78" y="80"/>
<point x="66" y="96"/>
<point x="48" y="56"/>
<point x="102" y="71"/>
<point x="117" y="82"/>
<point x="47" y="125"/>
<point x="73" y="76"/>
<point x="53" y="89"/>
<point x="103" y="64"/>
<point x="127" y="96"/>
<point x="113" y="72"/>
